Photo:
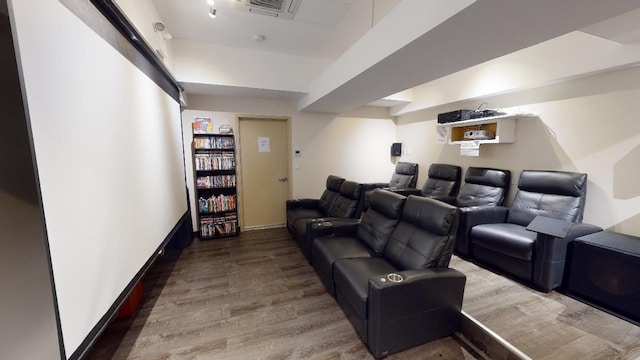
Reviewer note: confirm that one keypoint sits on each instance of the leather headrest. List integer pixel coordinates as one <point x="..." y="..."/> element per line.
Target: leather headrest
<point x="553" y="182"/>
<point x="406" y="168"/>
<point x="387" y="203"/>
<point x="334" y="182"/>
<point x="489" y="177"/>
<point x="350" y="189"/>
<point x="429" y="214"/>
<point x="445" y="172"/>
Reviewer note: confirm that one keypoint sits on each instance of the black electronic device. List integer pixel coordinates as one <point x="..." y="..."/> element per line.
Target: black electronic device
<point x="479" y="114"/>
<point x="453" y="116"/>
<point x="396" y="149"/>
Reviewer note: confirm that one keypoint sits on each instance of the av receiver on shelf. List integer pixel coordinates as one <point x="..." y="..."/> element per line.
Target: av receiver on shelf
<point x="460" y="115"/>
<point x="453" y="116"/>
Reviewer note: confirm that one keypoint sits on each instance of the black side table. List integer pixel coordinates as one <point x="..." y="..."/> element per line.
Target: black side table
<point x="605" y="271"/>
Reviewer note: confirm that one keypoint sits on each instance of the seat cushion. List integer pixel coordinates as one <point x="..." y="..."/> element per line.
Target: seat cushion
<point x="327" y="250"/>
<point x="348" y="202"/>
<point x="479" y="195"/>
<point x="351" y="277"/>
<point x="443" y="180"/>
<point x="424" y="236"/>
<point x="380" y="219"/>
<point x="507" y="239"/>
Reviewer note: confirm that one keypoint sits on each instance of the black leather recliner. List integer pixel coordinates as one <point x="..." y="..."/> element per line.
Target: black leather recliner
<point x="313" y="208"/>
<point x="360" y="239"/>
<point x="443" y="182"/>
<point x="405" y="176"/>
<point x="404" y="295"/>
<point x="504" y="241"/>
<point x="347" y="205"/>
<point x="482" y="187"/>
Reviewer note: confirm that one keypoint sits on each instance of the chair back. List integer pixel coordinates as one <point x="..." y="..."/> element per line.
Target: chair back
<point x="348" y="203"/>
<point x="330" y="193"/>
<point x="555" y="194"/>
<point x="484" y="187"/>
<point x="424" y="236"/>
<point x="405" y="176"/>
<point x="382" y="216"/>
<point x="443" y="180"/>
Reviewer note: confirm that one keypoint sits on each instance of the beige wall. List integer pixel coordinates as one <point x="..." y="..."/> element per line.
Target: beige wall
<point x="354" y="145"/>
<point x="587" y="125"/>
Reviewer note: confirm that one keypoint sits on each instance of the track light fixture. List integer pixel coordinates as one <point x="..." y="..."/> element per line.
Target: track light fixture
<point x="212" y="12"/>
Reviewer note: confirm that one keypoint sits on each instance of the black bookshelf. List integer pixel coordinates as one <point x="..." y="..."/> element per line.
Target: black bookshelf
<point x="214" y="164"/>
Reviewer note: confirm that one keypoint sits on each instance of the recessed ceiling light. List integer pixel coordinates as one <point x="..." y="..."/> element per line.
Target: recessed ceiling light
<point x="210" y="2"/>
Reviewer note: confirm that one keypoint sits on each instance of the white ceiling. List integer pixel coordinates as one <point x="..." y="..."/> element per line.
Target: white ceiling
<point x="328" y="29"/>
<point x="321" y="28"/>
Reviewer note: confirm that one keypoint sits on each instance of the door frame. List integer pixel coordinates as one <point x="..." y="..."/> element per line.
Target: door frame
<point x="239" y="173"/>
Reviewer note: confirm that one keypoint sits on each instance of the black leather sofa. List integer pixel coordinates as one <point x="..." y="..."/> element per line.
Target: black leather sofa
<point x="313" y="208"/>
<point x="347" y="204"/>
<point x="389" y="272"/>
<point x="529" y="240"/>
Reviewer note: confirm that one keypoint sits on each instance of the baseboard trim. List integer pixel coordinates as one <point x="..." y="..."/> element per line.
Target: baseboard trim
<point x="263" y="227"/>
<point x="486" y="342"/>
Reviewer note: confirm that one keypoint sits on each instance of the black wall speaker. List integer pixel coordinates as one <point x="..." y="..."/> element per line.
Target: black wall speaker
<point x="396" y="149"/>
<point x="607" y="277"/>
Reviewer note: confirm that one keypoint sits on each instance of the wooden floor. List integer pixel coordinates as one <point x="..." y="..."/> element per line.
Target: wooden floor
<point x="255" y="297"/>
<point x="545" y="325"/>
<point x="252" y="297"/>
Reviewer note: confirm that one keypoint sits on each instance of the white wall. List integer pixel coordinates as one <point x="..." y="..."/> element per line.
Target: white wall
<point x="355" y="145"/>
<point x="201" y="63"/>
<point x="143" y="14"/>
<point x="109" y="154"/>
<point x="585" y="125"/>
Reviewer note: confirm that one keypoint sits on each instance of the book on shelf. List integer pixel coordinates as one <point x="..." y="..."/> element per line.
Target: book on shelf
<point x="215" y="204"/>
<point x="218" y="225"/>
<point x="215" y="161"/>
<point x="214" y="142"/>
<point x="215" y="181"/>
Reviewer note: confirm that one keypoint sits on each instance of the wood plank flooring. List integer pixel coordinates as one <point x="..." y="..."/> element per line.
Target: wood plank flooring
<point x="251" y="297"/>
<point x="545" y="326"/>
<point x="255" y="297"/>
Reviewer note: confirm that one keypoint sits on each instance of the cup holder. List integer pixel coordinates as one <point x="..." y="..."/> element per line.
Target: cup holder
<point x="395" y="278"/>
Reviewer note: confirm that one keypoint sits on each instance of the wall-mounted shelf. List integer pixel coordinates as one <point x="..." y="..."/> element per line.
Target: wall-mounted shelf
<point x="502" y="129"/>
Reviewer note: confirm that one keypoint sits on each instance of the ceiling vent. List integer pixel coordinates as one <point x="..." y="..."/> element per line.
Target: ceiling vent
<point x="284" y="9"/>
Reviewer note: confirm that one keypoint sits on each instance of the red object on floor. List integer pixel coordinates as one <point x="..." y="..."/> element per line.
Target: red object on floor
<point x="130" y="305"/>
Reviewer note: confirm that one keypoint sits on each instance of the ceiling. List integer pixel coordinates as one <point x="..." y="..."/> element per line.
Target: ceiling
<point x="335" y="30"/>
<point x="321" y="28"/>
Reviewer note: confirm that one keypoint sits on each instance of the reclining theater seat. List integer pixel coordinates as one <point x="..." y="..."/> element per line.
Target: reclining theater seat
<point x="443" y="182"/>
<point x="405" y="176"/>
<point x="408" y="296"/>
<point x="347" y="205"/>
<point x="482" y="187"/>
<point x="358" y="239"/>
<point x="313" y="208"/>
<point x="505" y="242"/>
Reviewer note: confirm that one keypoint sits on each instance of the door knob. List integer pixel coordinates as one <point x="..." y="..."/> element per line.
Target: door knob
<point x="284" y="178"/>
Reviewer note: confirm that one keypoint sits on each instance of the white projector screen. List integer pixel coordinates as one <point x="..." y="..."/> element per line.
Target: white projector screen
<point x="108" y="149"/>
